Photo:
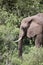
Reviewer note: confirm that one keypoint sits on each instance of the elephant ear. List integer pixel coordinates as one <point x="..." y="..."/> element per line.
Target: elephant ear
<point x="34" y="29"/>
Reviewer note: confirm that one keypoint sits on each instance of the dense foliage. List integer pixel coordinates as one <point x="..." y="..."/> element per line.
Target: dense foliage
<point x="11" y="14"/>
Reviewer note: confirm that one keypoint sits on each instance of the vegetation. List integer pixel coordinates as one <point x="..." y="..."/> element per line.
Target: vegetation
<point x="11" y="14"/>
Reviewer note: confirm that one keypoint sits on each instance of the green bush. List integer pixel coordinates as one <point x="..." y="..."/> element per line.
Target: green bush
<point x="9" y="32"/>
<point x="34" y="57"/>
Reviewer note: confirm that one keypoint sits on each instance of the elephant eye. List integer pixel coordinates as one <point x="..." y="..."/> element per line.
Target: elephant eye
<point x="25" y="21"/>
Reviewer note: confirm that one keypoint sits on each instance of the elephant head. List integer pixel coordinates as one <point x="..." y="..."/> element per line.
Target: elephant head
<point x="30" y="27"/>
<point x="25" y="23"/>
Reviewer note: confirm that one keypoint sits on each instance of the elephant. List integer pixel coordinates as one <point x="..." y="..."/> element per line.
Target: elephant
<point x="32" y="27"/>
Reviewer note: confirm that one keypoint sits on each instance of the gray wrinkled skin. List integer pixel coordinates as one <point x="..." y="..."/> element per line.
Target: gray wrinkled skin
<point x="32" y="27"/>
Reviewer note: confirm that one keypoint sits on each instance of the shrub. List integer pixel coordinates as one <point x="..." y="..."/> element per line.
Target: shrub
<point x="34" y="57"/>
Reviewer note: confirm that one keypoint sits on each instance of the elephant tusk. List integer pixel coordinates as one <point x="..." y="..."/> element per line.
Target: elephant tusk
<point x="18" y="40"/>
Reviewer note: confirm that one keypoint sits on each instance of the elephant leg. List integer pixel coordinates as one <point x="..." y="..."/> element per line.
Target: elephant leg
<point x="38" y="40"/>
